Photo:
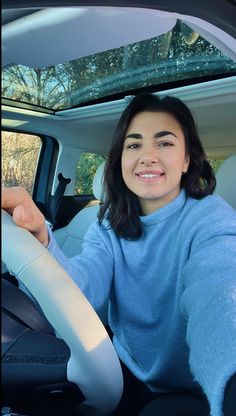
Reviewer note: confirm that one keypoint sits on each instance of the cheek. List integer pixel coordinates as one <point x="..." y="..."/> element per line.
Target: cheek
<point x="122" y="163"/>
<point x="127" y="168"/>
<point x="126" y="164"/>
<point x="176" y="161"/>
<point x="123" y="167"/>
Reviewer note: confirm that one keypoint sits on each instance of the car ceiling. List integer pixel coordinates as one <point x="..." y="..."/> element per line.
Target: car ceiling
<point x="221" y="13"/>
<point x="45" y="29"/>
<point x="214" y="111"/>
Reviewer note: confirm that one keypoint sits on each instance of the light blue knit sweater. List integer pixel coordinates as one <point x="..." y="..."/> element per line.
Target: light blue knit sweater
<point x="172" y="294"/>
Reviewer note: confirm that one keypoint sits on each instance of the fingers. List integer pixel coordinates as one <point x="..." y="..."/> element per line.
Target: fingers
<point x="32" y="220"/>
<point x="22" y="217"/>
<point x="11" y="197"/>
<point x="25" y="213"/>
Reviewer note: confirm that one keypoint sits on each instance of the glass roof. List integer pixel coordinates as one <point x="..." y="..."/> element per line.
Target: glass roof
<point x="180" y="55"/>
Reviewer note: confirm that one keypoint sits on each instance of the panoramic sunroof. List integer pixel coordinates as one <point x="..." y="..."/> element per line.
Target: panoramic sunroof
<point x="180" y="54"/>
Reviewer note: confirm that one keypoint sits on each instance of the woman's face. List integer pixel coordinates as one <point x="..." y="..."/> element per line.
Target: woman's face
<point x="153" y="159"/>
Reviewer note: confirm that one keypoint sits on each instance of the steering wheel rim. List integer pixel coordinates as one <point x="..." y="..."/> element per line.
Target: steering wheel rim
<point x="93" y="366"/>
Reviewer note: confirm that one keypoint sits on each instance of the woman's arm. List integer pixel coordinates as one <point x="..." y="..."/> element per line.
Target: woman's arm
<point x="17" y="202"/>
<point x="92" y="271"/>
<point x="209" y="305"/>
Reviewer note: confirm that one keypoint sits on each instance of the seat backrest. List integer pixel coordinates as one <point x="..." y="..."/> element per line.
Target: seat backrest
<point x="70" y="237"/>
<point x="226" y="181"/>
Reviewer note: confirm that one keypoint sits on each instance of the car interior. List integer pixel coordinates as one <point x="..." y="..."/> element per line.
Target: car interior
<point x="68" y="72"/>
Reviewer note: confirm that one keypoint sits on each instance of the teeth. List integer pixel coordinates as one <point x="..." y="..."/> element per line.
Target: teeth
<point x="149" y="175"/>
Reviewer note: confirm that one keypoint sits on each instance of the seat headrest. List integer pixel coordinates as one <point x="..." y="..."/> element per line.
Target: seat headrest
<point x="98" y="189"/>
<point x="226" y="182"/>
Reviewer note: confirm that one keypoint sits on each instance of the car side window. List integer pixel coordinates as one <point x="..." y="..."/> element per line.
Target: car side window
<point x="86" y="169"/>
<point x="215" y="163"/>
<point x="20" y="153"/>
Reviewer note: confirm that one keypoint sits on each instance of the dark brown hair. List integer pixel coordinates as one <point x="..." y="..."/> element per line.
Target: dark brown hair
<point x="121" y="206"/>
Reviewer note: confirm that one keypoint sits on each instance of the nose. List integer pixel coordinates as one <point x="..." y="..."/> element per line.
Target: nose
<point x="149" y="157"/>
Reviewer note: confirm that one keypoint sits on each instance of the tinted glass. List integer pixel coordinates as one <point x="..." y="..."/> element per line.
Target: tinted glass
<point x="180" y="54"/>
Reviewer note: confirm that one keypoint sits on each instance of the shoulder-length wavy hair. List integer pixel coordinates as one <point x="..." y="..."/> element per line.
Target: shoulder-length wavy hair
<point x="121" y="206"/>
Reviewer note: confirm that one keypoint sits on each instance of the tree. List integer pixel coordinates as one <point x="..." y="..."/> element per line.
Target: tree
<point x="176" y="55"/>
<point x="86" y="169"/>
<point x="38" y="86"/>
<point x="19" y="159"/>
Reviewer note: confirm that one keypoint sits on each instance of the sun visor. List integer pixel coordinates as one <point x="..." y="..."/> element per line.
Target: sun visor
<point x="60" y="35"/>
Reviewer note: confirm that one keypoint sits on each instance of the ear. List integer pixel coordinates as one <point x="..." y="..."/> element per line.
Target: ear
<point x="186" y="163"/>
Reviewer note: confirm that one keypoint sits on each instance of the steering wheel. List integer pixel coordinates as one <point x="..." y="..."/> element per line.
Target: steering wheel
<point x="93" y="365"/>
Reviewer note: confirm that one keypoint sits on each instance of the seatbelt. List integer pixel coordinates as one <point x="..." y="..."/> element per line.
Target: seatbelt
<point x="55" y="200"/>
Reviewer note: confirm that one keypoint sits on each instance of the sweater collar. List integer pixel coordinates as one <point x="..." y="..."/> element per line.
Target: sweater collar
<point x="166" y="211"/>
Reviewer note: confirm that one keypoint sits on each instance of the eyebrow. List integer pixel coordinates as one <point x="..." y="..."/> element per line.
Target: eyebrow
<point x="156" y="135"/>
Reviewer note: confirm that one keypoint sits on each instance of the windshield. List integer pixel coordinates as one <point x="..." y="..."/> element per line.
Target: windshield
<point x="178" y="55"/>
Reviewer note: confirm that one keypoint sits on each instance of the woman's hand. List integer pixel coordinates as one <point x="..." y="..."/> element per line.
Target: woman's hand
<point x="17" y="202"/>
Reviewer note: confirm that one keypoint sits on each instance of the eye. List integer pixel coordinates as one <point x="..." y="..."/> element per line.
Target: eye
<point x="133" y="146"/>
<point x="165" y="144"/>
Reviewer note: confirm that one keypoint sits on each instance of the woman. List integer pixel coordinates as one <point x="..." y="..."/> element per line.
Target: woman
<point x="164" y="251"/>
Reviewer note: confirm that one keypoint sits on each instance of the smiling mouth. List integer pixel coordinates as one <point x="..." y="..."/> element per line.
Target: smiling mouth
<point x="149" y="175"/>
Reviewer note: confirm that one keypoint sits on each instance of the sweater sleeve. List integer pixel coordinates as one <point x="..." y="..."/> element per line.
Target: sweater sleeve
<point x="209" y="304"/>
<point x="92" y="269"/>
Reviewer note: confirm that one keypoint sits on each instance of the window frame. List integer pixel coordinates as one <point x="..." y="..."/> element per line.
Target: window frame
<point x="45" y="168"/>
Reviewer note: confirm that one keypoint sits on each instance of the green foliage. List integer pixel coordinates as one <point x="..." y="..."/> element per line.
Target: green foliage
<point x="216" y="163"/>
<point x="86" y="168"/>
<point x="19" y="159"/>
<point x="178" y="54"/>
